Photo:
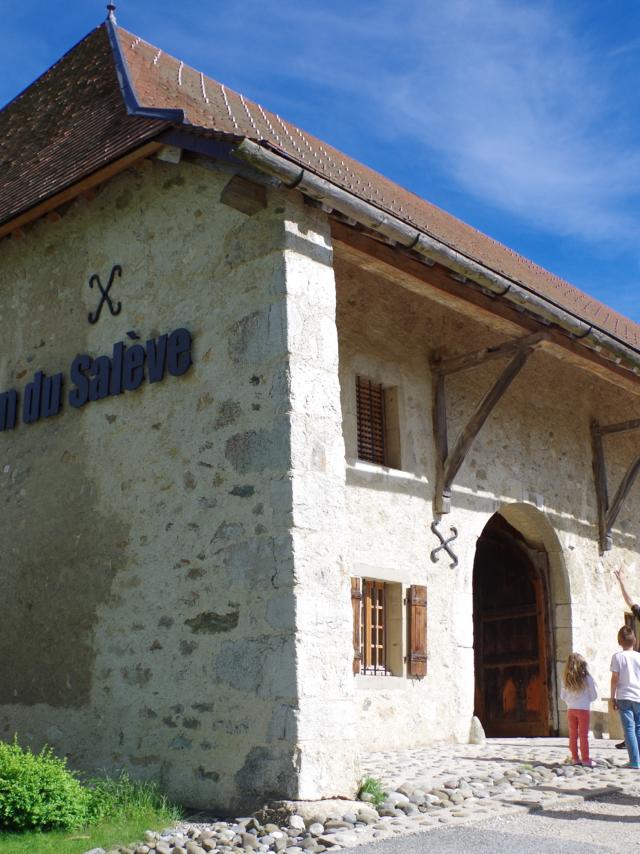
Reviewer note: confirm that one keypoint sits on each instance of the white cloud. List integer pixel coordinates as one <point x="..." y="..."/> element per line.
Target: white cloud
<point x="519" y="113"/>
<point x="508" y="98"/>
<point x="512" y="100"/>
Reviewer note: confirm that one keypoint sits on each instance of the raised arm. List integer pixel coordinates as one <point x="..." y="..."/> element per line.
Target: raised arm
<point x="627" y="598"/>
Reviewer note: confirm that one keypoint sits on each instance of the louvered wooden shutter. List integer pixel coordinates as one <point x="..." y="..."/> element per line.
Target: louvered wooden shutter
<point x="356" y="601"/>
<point x="417" y="657"/>
<point x="371" y="421"/>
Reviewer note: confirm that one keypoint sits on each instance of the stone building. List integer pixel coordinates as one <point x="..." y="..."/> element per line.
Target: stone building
<point x="248" y="389"/>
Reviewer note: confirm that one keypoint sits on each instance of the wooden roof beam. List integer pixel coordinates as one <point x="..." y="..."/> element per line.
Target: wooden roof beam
<point x="608" y="512"/>
<point x="84" y="187"/>
<point x="448" y="464"/>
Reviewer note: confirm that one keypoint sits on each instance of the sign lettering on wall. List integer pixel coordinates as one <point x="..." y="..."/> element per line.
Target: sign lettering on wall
<point x="126" y="369"/>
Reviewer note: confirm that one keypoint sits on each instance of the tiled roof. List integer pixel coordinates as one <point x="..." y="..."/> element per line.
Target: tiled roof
<point x="162" y="81"/>
<point x="67" y="124"/>
<point x="73" y="120"/>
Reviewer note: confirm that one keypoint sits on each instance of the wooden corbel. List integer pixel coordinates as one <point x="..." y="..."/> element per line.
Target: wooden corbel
<point x="608" y="513"/>
<point x="448" y="464"/>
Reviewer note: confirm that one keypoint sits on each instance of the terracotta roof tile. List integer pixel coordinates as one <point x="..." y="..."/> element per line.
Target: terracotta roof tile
<point x="67" y="124"/>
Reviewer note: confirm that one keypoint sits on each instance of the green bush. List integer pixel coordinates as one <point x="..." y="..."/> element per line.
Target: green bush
<point x="38" y="791"/>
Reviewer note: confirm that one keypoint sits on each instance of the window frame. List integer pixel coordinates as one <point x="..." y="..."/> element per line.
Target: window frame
<point x="377" y="423"/>
<point x="374" y="621"/>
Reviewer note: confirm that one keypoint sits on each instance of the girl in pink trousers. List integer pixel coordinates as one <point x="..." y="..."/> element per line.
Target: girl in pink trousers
<point x="578" y="691"/>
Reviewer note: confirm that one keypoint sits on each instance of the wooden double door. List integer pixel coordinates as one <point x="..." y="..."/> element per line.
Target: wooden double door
<point x="510" y="634"/>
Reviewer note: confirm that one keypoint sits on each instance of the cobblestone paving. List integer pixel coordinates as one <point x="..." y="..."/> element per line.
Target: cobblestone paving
<point x="454" y="783"/>
<point x="425" y="788"/>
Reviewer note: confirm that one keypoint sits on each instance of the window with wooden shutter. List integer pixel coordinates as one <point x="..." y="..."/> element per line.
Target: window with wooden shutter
<point x="378" y="423"/>
<point x="373" y="627"/>
<point x="377" y="627"/>
<point x="417" y="653"/>
<point x="371" y="421"/>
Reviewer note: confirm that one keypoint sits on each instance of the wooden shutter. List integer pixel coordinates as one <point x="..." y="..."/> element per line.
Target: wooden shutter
<point x="371" y="421"/>
<point x="417" y="657"/>
<point x="356" y="602"/>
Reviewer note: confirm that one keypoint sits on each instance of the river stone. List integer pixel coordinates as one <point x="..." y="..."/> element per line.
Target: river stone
<point x="396" y="797"/>
<point x="440" y="793"/>
<point x="346" y="838"/>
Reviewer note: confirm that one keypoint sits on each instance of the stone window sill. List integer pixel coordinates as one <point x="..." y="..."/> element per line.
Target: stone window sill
<point x="379" y="683"/>
<point x="372" y="469"/>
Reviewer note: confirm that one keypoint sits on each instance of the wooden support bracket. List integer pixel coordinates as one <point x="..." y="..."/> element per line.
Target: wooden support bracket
<point x="608" y="513"/>
<point x="448" y="463"/>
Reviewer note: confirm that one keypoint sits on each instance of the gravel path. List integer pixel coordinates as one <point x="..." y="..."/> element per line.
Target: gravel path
<point x="610" y="822"/>
<point x="607" y="823"/>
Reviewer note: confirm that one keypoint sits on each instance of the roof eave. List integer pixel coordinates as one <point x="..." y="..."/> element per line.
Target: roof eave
<point x="293" y="175"/>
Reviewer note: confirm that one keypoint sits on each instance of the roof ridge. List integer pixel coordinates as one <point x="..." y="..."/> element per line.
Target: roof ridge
<point x="134" y="108"/>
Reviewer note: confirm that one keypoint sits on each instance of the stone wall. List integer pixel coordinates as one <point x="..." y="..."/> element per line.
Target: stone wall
<point x="176" y="559"/>
<point x="150" y="573"/>
<point x="531" y="462"/>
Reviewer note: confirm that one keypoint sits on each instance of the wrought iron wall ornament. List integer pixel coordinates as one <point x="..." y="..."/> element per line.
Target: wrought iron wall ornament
<point x="94" y="316"/>
<point x="445" y="543"/>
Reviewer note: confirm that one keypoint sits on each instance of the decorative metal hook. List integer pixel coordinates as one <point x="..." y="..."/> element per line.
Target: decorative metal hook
<point x="444" y="544"/>
<point x="94" y="316"/>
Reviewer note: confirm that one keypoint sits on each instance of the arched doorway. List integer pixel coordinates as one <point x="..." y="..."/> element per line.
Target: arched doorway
<point x="511" y="633"/>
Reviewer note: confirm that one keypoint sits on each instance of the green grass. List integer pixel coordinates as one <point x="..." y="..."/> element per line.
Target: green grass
<point x="372" y="787"/>
<point x="122" y="811"/>
<point x="107" y="834"/>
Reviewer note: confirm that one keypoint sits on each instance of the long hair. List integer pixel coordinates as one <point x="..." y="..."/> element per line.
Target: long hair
<point x="575" y="672"/>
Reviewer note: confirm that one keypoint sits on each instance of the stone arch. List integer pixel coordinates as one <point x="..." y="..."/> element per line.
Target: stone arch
<point x="538" y="542"/>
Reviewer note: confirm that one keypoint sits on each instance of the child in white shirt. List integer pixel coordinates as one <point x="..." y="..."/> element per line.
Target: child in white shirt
<point x="625" y="691"/>
<point x="578" y="691"/>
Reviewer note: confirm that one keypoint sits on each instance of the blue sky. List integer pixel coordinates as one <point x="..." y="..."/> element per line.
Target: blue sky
<point x="521" y="118"/>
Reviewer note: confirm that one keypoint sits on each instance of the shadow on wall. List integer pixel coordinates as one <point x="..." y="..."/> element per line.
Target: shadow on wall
<point x="54" y="573"/>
